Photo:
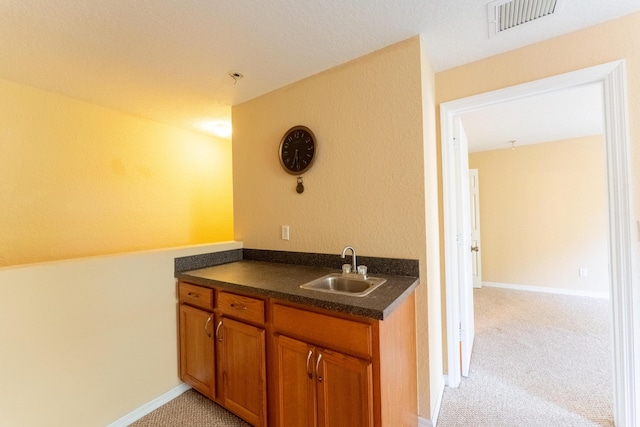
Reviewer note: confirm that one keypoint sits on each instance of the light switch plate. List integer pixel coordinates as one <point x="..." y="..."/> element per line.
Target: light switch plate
<point x="285" y="232"/>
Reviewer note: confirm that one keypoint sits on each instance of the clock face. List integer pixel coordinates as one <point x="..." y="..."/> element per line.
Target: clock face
<point x="297" y="150"/>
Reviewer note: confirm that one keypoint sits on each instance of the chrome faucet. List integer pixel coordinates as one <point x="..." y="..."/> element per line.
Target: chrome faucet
<point x="354" y="267"/>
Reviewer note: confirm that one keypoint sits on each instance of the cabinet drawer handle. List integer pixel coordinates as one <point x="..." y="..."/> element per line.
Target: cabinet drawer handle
<point x="218" y="331"/>
<point x="308" y="359"/>
<point x="238" y="306"/>
<point x="206" y="326"/>
<point x="193" y="295"/>
<point x="318" y="363"/>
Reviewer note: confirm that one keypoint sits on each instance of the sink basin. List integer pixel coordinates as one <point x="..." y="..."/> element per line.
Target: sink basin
<point x="337" y="283"/>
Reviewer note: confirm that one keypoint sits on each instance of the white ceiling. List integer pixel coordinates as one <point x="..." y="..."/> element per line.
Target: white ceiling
<point x="167" y="60"/>
<point x="554" y="116"/>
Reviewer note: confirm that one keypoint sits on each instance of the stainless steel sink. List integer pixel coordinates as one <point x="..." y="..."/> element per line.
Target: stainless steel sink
<point x="345" y="284"/>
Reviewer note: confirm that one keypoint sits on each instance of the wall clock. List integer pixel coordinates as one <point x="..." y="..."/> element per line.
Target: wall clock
<point x="297" y="150"/>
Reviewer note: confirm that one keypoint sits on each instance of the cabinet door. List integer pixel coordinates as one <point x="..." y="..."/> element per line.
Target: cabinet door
<point x="242" y="349"/>
<point x="197" y="362"/>
<point x="294" y="364"/>
<point x="345" y="390"/>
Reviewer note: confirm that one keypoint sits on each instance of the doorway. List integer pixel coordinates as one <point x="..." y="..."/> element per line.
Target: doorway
<point x="611" y="77"/>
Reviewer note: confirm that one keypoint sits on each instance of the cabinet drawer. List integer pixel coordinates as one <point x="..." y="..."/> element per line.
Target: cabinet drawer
<point x="241" y="307"/>
<point x="198" y="296"/>
<point x="333" y="332"/>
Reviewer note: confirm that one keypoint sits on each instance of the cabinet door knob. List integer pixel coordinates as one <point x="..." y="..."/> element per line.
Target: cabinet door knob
<point x="206" y="326"/>
<point x="308" y="369"/>
<point x="218" y="331"/>
<point x="317" y="364"/>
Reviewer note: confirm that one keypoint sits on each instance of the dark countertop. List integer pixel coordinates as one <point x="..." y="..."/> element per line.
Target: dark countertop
<point x="282" y="281"/>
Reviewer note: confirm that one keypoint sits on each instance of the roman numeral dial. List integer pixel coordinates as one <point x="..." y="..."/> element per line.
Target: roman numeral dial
<point x="297" y="150"/>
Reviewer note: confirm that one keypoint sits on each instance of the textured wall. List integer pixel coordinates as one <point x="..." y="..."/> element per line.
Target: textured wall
<point x="79" y="180"/>
<point x="543" y="214"/>
<point x="367" y="186"/>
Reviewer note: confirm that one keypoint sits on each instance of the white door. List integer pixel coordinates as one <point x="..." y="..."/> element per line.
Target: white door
<point x="476" y="248"/>
<point x="457" y="249"/>
<point x="463" y="214"/>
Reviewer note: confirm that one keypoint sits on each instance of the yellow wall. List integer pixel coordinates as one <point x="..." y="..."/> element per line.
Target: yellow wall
<point x="367" y="185"/>
<point x="543" y="214"/>
<point x="79" y="180"/>
<point x="92" y="339"/>
<point x="610" y="41"/>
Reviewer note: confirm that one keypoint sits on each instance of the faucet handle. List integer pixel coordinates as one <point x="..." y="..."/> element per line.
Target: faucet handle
<point x="346" y="268"/>
<point x="362" y="269"/>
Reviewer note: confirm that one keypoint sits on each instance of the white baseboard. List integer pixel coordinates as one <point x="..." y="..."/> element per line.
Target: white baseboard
<point x="423" y="422"/>
<point x="544" y="289"/>
<point x="150" y="406"/>
<point x="446" y="381"/>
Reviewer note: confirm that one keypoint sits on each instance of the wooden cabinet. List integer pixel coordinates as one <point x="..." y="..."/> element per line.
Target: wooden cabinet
<point x="296" y="395"/>
<point x="321" y="387"/>
<point x="242" y="308"/>
<point x="339" y="370"/>
<point x="345" y="390"/>
<point x="243" y="364"/>
<point x="313" y="367"/>
<point x="339" y="386"/>
<point x="197" y="356"/>
<point x="225" y="361"/>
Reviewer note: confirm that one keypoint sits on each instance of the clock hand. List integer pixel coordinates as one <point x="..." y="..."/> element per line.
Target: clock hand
<point x="295" y="159"/>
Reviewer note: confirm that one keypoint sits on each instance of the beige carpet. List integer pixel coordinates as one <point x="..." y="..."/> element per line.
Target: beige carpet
<point x="190" y="409"/>
<point x="538" y="360"/>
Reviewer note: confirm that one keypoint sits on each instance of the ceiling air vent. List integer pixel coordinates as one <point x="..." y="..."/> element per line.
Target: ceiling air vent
<point x="506" y="14"/>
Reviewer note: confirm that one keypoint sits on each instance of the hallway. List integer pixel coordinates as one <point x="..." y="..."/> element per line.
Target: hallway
<point x="538" y="360"/>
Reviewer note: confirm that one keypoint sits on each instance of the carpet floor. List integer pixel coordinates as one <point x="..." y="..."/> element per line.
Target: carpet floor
<point x="190" y="409"/>
<point x="538" y="360"/>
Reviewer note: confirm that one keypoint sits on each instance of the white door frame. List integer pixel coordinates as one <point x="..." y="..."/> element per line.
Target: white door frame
<point x="612" y="77"/>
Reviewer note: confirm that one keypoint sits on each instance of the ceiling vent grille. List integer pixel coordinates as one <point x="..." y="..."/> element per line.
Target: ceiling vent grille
<point x="506" y="14"/>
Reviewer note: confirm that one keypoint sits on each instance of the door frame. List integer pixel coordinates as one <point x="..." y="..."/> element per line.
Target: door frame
<point x="612" y="78"/>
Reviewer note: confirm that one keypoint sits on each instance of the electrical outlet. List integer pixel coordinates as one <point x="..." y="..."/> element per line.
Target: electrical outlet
<point x="285" y="232"/>
<point x="583" y="272"/>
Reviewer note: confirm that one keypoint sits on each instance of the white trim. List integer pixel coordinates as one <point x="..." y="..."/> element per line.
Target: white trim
<point x="149" y="407"/>
<point x="423" y="422"/>
<point x="547" y="290"/>
<point x="438" y="405"/>
<point x="624" y="336"/>
<point x="452" y="293"/>
<point x="613" y="80"/>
